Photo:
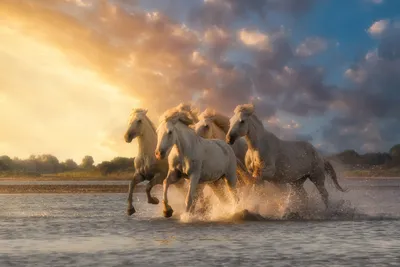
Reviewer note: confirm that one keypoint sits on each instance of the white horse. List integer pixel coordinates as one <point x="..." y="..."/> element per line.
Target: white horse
<point x="201" y="160"/>
<point x="147" y="167"/>
<point x="278" y="161"/>
<point x="213" y="125"/>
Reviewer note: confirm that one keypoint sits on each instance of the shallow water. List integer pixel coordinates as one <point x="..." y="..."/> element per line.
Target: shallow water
<point x="93" y="230"/>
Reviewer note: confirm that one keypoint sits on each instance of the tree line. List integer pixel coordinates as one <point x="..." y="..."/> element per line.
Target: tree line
<point x="352" y="159"/>
<point x="49" y="164"/>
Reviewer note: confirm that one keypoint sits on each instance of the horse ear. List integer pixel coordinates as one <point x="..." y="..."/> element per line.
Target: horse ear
<point x="145" y="111"/>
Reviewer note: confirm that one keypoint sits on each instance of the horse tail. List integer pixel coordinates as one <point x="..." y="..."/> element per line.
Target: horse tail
<point x="243" y="173"/>
<point x="332" y="173"/>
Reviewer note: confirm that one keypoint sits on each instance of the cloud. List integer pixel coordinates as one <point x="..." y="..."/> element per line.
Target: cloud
<point x="371" y="116"/>
<point x="223" y="13"/>
<point x="254" y="38"/>
<point x="217" y="58"/>
<point x="378" y="27"/>
<point x="161" y="61"/>
<point x="377" y="2"/>
<point x="356" y="75"/>
<point x="311" y="46"/>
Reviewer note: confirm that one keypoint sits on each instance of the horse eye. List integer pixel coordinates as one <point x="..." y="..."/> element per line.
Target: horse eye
<point x="241" y="121"/>
<point x="139" y="121"/>
<point x="169" y="132"/>
<point x="206" y="126"/>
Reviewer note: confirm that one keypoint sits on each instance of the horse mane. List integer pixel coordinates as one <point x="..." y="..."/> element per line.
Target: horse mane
<point x="247" y="109"/>
<point x="189" y="108"/>
<point x="220" y="120"/>
<point x="176" y="114"/>
<point x="142" y="110"/>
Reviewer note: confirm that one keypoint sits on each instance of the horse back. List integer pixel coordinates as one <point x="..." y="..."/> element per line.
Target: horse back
<point x="297" y="158"/>
<point x="218" y="156"/>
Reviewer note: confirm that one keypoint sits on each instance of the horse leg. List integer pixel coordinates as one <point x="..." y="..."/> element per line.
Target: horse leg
<point x="198" y="197"/>
<point x="157" y="179"/>
<point x="138" y="178"/>
<point x="194" y="181"/>
<point x="319" y="182"/>
<point x="231" y="179"/>
<point x="218" y="189"/>
<point x="300" y="191"/>
<point x="171" y="179"/>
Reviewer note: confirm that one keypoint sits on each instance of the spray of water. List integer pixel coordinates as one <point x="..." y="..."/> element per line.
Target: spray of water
<point x="265" y="202"/>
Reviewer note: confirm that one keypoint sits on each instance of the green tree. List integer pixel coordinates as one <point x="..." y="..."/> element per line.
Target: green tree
<point x="47" y="163"/>
<point x="87" y="162"/>
<point x="6" y="163"/>
<point x="395" y="151"/>
<point x="116" y="165"/>
<point x="69" y="165"/>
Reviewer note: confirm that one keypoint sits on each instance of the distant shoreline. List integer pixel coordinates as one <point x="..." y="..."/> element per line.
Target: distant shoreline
<point x="34" y="188"/>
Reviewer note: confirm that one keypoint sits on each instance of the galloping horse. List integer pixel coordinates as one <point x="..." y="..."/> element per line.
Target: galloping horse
<point x="201" y="160"/>
<point x="147" y="167"/>
<point x="278" y="161"/>
<point x="213" y="125"/>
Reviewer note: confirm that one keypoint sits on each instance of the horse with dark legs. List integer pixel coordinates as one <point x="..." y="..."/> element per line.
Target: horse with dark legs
<point x="277" y="161"/>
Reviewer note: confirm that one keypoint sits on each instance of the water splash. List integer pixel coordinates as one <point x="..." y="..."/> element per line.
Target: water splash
<point x="268" y="202"/>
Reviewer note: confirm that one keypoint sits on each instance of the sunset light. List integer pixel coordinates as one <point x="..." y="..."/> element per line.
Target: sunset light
<point x="50" y="104"/>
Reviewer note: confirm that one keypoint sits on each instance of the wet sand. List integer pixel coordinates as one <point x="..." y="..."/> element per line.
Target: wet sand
<point x="99" y="186"/>
<point x="65" y="188"/>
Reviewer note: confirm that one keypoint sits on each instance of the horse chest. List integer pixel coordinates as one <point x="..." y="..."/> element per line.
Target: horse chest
<point x="183" y="165"/>
<point x="145" y="168"/>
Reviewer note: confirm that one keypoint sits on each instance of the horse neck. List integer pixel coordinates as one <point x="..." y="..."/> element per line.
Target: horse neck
<point x="257" y="132"/>
<point x="147" y="142"/>
<point x="186" y="139"/>
<point x="217" y="133"/>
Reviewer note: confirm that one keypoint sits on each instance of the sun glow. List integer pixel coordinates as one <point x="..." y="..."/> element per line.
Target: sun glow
<point x="50" y="104"/>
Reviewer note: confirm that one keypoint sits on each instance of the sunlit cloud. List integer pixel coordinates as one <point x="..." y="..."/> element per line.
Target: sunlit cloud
<point x="378" y="27"/>
<point x="356" y="75"/>
<point x="254" y="38"/>
<point x="311" y="46"/>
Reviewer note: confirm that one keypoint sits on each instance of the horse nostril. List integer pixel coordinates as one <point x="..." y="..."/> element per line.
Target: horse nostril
<point x="159" y="154"/>
<point x="230" y="139"/>
<point x="127" y="137"/>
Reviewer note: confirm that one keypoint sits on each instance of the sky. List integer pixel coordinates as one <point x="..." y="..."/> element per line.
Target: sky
<point x="325" y="71"/>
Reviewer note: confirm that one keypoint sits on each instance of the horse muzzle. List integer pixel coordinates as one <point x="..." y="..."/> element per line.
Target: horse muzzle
<point x="129" y="137"/>
<point x="160" y="154"/>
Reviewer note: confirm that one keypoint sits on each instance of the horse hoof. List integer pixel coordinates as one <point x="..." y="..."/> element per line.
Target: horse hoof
<point x="168" y="213"/>
<point x="153" y="201"/>
<point x="131" y="211"/>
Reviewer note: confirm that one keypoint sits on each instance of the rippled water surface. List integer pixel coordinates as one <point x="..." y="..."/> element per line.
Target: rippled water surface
<point x="93" y="230"/>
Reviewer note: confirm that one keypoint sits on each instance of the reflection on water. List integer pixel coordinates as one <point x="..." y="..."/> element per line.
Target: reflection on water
<point x="93" y="230"/>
